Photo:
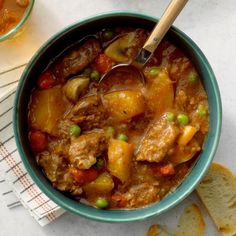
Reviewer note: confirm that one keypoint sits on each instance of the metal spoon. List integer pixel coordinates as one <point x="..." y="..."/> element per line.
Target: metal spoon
<point x="161" y="28"/>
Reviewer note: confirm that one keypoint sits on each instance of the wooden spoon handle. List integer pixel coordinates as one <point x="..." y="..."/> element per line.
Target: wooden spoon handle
<point x="170" y="14"/>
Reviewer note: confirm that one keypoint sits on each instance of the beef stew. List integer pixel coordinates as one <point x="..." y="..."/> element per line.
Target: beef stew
<point x="118" y="144"/>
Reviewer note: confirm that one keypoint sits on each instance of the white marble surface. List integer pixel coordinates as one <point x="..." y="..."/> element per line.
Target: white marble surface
<point x="210" y="23"/>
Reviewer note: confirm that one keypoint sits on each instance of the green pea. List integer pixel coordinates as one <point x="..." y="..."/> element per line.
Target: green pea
<point x="193" y="77"/>
<point x="170" y="116"/>
<point x="87" y="71"/>
<point x="154" y="71"/>
<point x="75" y="130"/>
<point x="110" y="131"/>
<point x="107" y="35"/>
<point x="102" y="202"/>
<point x="122" y="137"/>
<point x="100" y="163"/>
<point x="201" y="110"/>
<point x="95" y="75"/>
<point x="183" y="119"/>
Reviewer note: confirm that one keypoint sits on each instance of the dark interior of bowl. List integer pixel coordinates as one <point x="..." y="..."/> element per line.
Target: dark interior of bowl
<point x="28" y="81"/>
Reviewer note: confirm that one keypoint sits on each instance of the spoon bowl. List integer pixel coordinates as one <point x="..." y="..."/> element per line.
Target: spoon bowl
<point x="126" y="70"/>
<point x="159" y="31"/>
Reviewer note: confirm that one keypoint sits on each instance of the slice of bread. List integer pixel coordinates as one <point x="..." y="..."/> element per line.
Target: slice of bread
<point x="218" y="193"/>
<point x="191" y="222"/>
<point x="156" y="230"/>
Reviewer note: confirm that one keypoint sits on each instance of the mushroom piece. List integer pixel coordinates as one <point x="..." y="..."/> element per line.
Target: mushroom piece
<point x="127" y="47"/>
<point x="118" y="49"/>
<point x="74" y="87"/>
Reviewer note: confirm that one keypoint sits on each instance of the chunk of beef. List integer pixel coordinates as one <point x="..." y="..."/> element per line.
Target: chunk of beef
<point x="187" y="101"/>
<point x="137" y="43"/>
<point x="89" y="113"/>
<point x="181" y="100"/>
<point x="57" y="171"/>
<point x="78" y="59"/>
<point x="157" y="141"/>
<point x="86" y="148"/>
<point x="59" y="146"/>
<point x="141" y="194"/>
<point x="61" y="129"/>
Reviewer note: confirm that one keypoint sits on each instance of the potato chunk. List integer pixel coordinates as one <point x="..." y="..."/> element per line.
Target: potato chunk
<point x="160" y="93"/>
<point x="119" y="159"/>
<point x="123" y="105"/>
<point x="188" y="133"/>
<point x="46" y="108"/>
<point x="103" y="184"/>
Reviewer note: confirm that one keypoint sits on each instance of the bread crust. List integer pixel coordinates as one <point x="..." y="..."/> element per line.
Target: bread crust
<point x="191" y="222"/>
<point x="218" y="193"/>
<point x="157" y="230"/>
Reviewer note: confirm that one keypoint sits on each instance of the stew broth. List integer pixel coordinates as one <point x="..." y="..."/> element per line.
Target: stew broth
<point x="11" y="12"/>
<point x="118" y="144"/>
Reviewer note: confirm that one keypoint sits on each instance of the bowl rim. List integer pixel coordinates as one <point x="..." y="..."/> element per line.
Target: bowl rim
<point x="20" y="24"/>
<point x="139" y="213"/>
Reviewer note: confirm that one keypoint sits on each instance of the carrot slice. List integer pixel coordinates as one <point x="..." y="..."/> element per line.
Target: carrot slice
<point x="46" y="81"/>
<point x="38" y="141"/>
<point x="119" y="199"/>
<point x="103" y="63"/>
<point x="84" y="176"/>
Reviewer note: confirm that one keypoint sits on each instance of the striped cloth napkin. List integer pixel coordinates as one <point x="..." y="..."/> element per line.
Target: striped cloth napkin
<point x="16" y="186"/>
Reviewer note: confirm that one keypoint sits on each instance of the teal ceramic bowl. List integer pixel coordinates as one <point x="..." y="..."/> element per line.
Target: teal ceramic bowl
<point x="67" y="37"/>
